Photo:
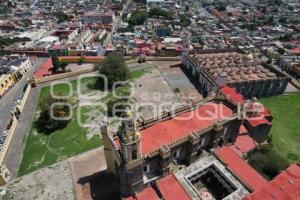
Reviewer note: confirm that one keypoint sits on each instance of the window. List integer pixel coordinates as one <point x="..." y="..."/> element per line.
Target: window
<point x="176" y="153"/>
<point x="134" y="152"/>
<point x="242" y="89"/>
<point x="203" y="141"/>
<point x="146" y="168"/>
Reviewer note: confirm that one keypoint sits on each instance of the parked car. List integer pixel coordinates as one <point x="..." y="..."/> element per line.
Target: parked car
<point x="9" y="124"/>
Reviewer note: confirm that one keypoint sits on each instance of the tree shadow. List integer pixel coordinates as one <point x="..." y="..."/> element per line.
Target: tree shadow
<point x="45" y="125"/>
<point x="98" y="85"/>
<point x="103" y="185"/>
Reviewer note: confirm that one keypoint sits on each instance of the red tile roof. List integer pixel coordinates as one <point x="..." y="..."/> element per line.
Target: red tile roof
<point x="243" y="145"/>
<point x="169" y="131"/>
<point x="147" y="194"/>
<point x="285" y="186"/>
<point x="263" y="116"/>
<point x="171" y="189"/>
<point x="296" y="50"/>
<point x="249" y="176"/>
<point x="45" y="69"/>
<point x="256" y="121"/>
<point x="266" y="112"/>
<point x="233" y="94"/>
<point x="243" y="130"/>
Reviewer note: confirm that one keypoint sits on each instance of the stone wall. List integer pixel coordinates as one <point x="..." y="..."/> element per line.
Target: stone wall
<point x="13" y="127"/>
<point x="61" y="76"/>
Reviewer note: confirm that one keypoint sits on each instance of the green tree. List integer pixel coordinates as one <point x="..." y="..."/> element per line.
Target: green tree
<point x="46" y="123"/>
<point x="62" y="16"/>
<point x="158" y="12"/>
<point x="116" y="106"/>
<point x="140" y="1"/>
<point x="55" y="62"/>
<point x="26" y="22"/>
<point x="138" y="17"/>
<point x="114" y="68"/>
<point x="283" y="20"/>
<point x="267" y="161"/>
<point x="286" y="37"/>
<point x="185" y="21"/>
<point x="6" y="41"/>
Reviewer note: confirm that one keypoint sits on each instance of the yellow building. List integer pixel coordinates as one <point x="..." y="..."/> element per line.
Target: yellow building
<point x="7" y="81"/>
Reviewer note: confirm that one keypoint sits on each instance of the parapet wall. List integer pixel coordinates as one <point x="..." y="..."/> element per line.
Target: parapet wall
<point x="61" y="76"/>
<point x="144" y="123"/>
<point x="77" y="59"/>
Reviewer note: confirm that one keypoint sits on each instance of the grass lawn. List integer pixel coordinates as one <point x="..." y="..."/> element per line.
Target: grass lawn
<point x="45" y="149"/>
<point x="285" y="132"/>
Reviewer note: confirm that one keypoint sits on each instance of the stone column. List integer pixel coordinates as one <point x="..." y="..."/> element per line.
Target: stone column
<point x="193" y="147"/>
<point x="218" y="128"/>
<point x="165" y="153"/>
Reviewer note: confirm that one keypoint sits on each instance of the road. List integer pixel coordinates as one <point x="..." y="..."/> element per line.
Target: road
<point x="15" y="152"/>
<point x="117" y="23"/>
<point x="7" y="102"/>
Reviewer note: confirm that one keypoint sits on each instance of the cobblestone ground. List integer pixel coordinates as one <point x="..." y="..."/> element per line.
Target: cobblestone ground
<point x="153" y="94"/>
<point x="50" y="183"/>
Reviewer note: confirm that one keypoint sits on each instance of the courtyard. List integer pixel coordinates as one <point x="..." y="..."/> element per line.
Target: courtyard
<point x="88" y="112"/>
<point x="45" y="149"/>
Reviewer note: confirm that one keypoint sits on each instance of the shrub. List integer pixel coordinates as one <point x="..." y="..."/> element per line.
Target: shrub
<point x="45" y="123"/>
<point x="267" y="161"/>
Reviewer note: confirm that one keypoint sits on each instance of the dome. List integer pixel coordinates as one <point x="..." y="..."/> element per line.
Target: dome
<point x="248" y="57"/>
<point x="127" y="113"/>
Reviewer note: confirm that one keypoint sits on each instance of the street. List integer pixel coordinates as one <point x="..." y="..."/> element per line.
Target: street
<point x="7" y="102"/>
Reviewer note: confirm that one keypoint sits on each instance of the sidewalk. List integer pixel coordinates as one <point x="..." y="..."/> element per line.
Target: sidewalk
<point x="15" y="152"/>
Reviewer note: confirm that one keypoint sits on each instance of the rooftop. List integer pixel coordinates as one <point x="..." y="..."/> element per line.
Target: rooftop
<point x="45" y="69"/>
<point x="147" y="194"/>
<point x="285" y="186"/>
<point x="208" y="178"/>
<point x="233" y="95"/>
<point x="171" y="189"/>
<point x="232" y="67"/>
<point x="249" y="176"/>
<point x="166" y="132"/>
<point x="243" y="145"/>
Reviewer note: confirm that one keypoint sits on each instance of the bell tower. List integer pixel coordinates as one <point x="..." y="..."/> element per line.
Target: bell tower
<point x="186" y="43"/>
<point x="131" y="173"/>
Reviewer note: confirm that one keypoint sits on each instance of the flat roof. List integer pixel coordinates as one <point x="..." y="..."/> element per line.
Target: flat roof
<point x="243" y="144"/>
<point x="45" y="69"/>
<point x="171" y="189"/>
<point x="147" y="194"/>
<point x="249" y="176"/>
<point x="166" y="132"/>
<point x="284" y="186"/>
<point x="232" y="93"/>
